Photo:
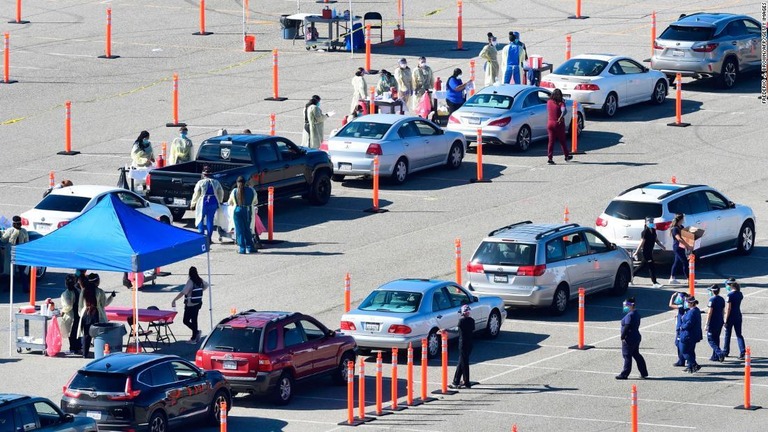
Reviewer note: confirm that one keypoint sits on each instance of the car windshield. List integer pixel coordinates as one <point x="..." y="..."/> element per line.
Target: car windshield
<point x="505" y="253"/>
<point x="235" y="339"/>
<point x="581" y="67"/>
<point x="489" y="101"/>
<point x="98" y="381"/>
<point x="215" y="152"/>
<point x="63" y="203"/>
<point x="364" y="129"/>
<point x="632" y="210"/>
<point x="392" y="301"/>
<point x="688" y="34"/>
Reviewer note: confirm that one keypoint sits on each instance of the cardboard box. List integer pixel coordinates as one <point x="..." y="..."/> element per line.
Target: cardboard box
<point x="692" y="236"/>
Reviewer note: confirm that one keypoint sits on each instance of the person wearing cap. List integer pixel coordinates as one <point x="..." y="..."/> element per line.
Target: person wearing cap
<point x="386" y="82"/>
<point x="512" y="59"/>
<point x="206" y="200"/>
<point x="244" y="200"/>
<point x="630" y="341"/>
<point x="679" y="303"/>
<point x="404" y="78"/>
<point x="690" y="334"/>
<point x="359" y="88"/>
<point x="91" y="304"/>
<point x="648" y="239"/>
<point x="491" y="57"/>
<point x="733" y="318"/>
<point x="715" y="322"/>
<point x="16" y="235"/>
<point x="466" y="330"/>
<point x="423" y="79"/>
<point x="181" y="148"/>
<point x="141" y="151"/>
<point x="314" y="118"/>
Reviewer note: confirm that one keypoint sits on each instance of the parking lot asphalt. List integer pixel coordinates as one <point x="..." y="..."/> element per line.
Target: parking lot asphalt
<point x="527" y="376"/>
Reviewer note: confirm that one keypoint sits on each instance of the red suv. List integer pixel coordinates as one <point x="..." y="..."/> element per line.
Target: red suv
<point x="265" y="353"/>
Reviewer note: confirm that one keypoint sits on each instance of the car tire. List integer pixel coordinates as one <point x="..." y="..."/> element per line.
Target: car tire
<point x="400" y="172"/>
<point x="524" y="138"/>
<point x="215" y="408"/>
<point x="455" y="156"/>
<point x="728" y="73"/>
<point x="339" y="375"/>
<point x="433" y="344"/>
<point x="611" y="105"/>
<point x="284" y="389"/>
<point x="493" y="328"/>
<point x="559" y="301"/>
<point x="621" y="283"/>
<point x="158" y="422"/>
<point x="177" y="214"/>
<point x="746" y="238"/>
<point x="338" y="177"/>
<point x="165" y="220"/>
<point x="320" y="192"/>
<point x="580" y="124"/>
<point x="659" y="94"/>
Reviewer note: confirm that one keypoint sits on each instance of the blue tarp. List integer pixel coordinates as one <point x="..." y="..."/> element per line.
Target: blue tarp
<point x="111" y="237"/>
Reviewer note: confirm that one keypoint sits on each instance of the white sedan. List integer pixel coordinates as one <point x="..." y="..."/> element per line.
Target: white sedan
<point x="62" y="205"/>
<point x="607" y="82"/>
<point x="404" y="144"/>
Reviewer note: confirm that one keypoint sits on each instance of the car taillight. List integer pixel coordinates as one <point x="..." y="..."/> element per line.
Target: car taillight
<point x="705" y="48"/>
<point x="453" y="119"/>
<point x="601" y="222"/>
<point x="265" y="364"/>
<point x="24" y="222"/>
<point x="537" y="270"/>
<point x="399" y="329"/>
<point x="474" y="267"/>
<point x="348" y="325"/>
<point x="129" y="393"/>
<point x="547" y="84"/>
<point x="199" y="358"/>
<point x="501" y="122"/>
<point x="324" y="146"/>
<point x="656" y="46"/>
<point x="588" y="87"/>
<point x="663" y="226"/>
<point x="61" y="224"/>
<point x="374" y="149"/>
<point x="148" y="180"/>
<point x="70" y="393"/>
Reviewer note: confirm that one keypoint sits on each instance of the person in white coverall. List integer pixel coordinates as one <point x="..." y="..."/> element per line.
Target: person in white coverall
<point x="206" y="201"/>
<point x="314" y="118"/>
<point x="404" y="78"/>
<point x="359" y="87"/>
<point x="491" y="57"/>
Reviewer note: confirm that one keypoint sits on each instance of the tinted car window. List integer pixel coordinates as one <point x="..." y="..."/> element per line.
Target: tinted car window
<point x="287" y="151"/>
<point x="458" y="296"/>
<point x="532" y="100"/>
<point x="716" y="202"/>
<point x="6" y="421"/>
<point x="736" y="28"/>
<point x="555" y="250"/>
<point x="184" y="371"/>
<point x="425" y="129"/>
<point x="26" y="417"/>
<point x="753" y="28"/>
<point x="47" y="414"/>
<point x="271" y="341"/>
<point x="392" y="301"/>
<point x="688" y="34"/>
<point x="679" y="205"/>
<point x="505" y="253"/>
<point x="440" y="301"/>
<point x="243" y="339"/>
<point x="63" y="203"/>
<point x="490" y="101"/>
<point x="631" y="210"/>
<point x="364" y="129"/>
<point x="575" y="245"/>
<point x="292" y="335"/>
<point x="103" y="382"/>
<point x="312" y="331"/>
<point x="215" y="152"/>
<point x="130" y="200"/>
<point x="596" y="244"/>
<point x="630" y="67"/>
<point x="581" y="67"/>
<point x="158" y="375"/>
<point x="266" y="152"/>
<point x="698" y="203"/>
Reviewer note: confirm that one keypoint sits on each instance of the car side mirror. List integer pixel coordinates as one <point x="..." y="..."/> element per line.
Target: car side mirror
<point x="731" y="204"/>
<point x="331" y="333"/>
<point x="69" y="418"/>
<point x="613" y="246"/>
<point x="475" y="299"/>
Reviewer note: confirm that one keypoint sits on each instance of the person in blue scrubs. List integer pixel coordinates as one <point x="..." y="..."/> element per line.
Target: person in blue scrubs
<point x="733" y="317"/>
<point x="715" y="322"/>
<point x="690" y="334"/>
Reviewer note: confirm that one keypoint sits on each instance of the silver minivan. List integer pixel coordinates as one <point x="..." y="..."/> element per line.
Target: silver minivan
<point x="544" y="265"/>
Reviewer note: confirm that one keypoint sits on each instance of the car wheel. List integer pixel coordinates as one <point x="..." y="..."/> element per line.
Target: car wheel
<point x="433" y="344"/>
<point x="659" y="92"/>
<point x="611" y="105"/>
<point x="728" y="73"/>
<point x="579" y="123"/>
<point x="621" y="283"/>
<point x="321" y="189"/>
<point x="158" y="422"/>
<point x="283" y="390"/>
<point x="746" y="238"/>
<point x="493" y="328"/>
<point x="339" y="375"/>
<point x="524" y="138"/>
<point x="165" y="220"/>
<point x="177" y="214"/>
<point x="559" y="301"/>
<point x="215" y="411"/>
<point x="455" y="156"/>
<point x="338" y="177"/>
<point x="400" y="173"/>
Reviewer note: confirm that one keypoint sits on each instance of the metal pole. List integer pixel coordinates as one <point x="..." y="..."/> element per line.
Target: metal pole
<point x="210" y="295"/>
<point x="12" y="322"/>
<point x="351" y="31"/>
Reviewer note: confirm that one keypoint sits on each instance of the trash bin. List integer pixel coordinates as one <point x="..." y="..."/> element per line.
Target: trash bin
<point x="107" y="333"/>
<point x="288" y="26"/>
<point x="358" y="38"/>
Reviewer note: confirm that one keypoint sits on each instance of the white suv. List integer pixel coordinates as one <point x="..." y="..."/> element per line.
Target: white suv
<point x="728" y="226"/>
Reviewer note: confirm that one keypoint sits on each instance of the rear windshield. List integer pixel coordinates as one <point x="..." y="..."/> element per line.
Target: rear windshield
<point x="581" y="67"/>
<point x="631" y="210"/>
<point x="392" y="301"/>
<point x="224" y="153"/>
<point x="505" y="253"/>
<point x="364" y="129"/>
<point x="688" y="34"/>
<point x="490" y="101"/>
<point x="225" y="338"/>
<point x="99" y="381"/>
<point x="63" y="203"/>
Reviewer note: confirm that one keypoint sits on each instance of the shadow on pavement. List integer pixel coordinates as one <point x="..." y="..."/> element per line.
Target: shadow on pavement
<point x="432" y="179"/>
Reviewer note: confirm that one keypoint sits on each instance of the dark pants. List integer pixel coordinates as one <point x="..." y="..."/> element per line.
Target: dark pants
<point x="190" y="318"/>
<point x="648" y="262"/>
<point x="462" y="369"/>
<point x="632" y="351"/>
<point x="74" y="341"/>
<point x="688" y="348"/>
<point x="556" y="132"/>
<point x="512" y="74"/>
<point x="678" y="345"/>
<point x="453" y="106"/>
<point x="85" y="323"/>
<point x="734" y="324"/>
<point x="242" y="218"/>
<point x="206" y="223"/>
<point x="713" y="338"/>
<point x="680" y="260"/>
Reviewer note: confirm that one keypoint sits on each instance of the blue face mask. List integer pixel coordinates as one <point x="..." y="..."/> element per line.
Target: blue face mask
<point x="145" y="141"/>
<point x="184" y="135"/>
<point x="685" y="305"/>
<point x="649" y="225"/>
<point x="318" y="104"/>
<point x="626" y="309"/>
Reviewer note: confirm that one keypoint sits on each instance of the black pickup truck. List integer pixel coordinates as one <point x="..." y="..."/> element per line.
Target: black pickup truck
<point x="263" y="160"/>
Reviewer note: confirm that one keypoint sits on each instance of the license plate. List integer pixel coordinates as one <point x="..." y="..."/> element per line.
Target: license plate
<point x="42" y="226"/>
<point x="372" y="327"/>
<point x="500" y="278"/>
<point x="345" y="166"/>
<point x="96" y="415"/>
<point x="230" y="365"/>
<point x="678" y="53"/>
<point x="474" y="121"/>
<point x="180" y="202"/>
<point x="566" y="95"/>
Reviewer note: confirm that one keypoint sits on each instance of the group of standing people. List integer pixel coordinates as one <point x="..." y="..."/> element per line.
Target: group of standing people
<point x="513" y="58"/>
<point x="143" y="156"/>
<point x="83" y="304"/>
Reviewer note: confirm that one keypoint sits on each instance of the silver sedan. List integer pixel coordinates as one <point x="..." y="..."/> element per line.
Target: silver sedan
<point x="404" y="144"/>
<point x="510" y="114"/>
<point x="405" y="311"/>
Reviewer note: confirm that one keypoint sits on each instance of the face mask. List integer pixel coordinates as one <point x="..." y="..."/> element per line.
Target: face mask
<point x="728" y="289"/>
<point x="626" y="309"/>
<point x="649" y="225"/>
<point x="403" y="65"/>
<point x="318" y="104"/>
<point x="458" y="76"/>
<point x="145" y="141"/>
<point x="183" y="134"/>
<point x="424" y="64"/>
<point x="685" y="305"/>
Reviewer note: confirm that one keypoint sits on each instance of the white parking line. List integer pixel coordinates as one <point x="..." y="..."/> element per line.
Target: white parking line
<point x="585" y="419"/>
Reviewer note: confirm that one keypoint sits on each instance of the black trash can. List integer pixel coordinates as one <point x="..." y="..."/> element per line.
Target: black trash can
<point x="288" y="26"/>
<point x="107" y="333"/>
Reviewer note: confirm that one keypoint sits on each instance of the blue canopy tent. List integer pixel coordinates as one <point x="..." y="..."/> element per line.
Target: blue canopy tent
<point x="111" y="237"/>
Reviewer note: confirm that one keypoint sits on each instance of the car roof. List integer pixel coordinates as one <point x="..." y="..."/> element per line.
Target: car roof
<point x="598" y="56"/>
<point x="237" y="139"/>
<point x="87" y="191"/>
<point x="9" y="398"/>
<point x="413" y="285"/>
<point x="654" y="191"/>
<point x="505" y="89"/>
<point x="125" y="362"/>
<point x="706" y="19"/>
<point x="528" y="231"/>
<point x="254" y="318"/>
<point x="386" y="118"/>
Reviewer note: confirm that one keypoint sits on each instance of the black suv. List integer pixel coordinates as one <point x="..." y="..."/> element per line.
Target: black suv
<point x="24" y="413"/>
<point x="145" y="392"/>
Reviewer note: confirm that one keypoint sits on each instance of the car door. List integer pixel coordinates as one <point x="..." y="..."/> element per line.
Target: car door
<point x="433" y="142"/>
<point x="195" y="385"/>
<point x="701" y="217"/>
<point x="726" y="220"/>
<point x="638" y="86"/>
<point x="50" y="418"/>
<point x="736" y="39"/>
<point x="25" y="418"/>
<point x="605" y="262"/>
<point x="460" y="297"/>
<point x="292" y="163"/>
<point x="578" y="262"/>
<point x="325" y="352"/>
<point x="162" y="380"/>
<point x="296" y="347"/>
<point x="410" y="144"/>
<point x="444" y="315"/>
<point x="534" y="114"/>
<point x="271" y="170"/>
<point x="616" y="81"/>
<point x="752" y="36"/>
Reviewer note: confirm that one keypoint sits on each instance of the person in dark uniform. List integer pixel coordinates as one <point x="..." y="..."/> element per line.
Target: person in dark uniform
<point x="466" y="331"/>
<point x="733" y="317"/>
<point x="630" y="341"/>
<point x="680" y="305"/>
<point x="715" y="322"/>
<point x="690" y="334"/>
<point x="644" y="251"/>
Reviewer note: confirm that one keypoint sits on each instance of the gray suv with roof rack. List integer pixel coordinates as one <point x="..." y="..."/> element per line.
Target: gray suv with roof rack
<point x="544" y="265"/>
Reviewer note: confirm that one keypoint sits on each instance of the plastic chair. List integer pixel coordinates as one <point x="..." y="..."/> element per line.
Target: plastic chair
<point x="164" y="332"/>
<point x="375" y="16"/>
<point x="142" y="335"/>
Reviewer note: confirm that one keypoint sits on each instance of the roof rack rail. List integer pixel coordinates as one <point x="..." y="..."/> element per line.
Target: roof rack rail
<point x="556" y="229"/>
<point x="684" y="188"/>
<point x="498" y="230"/>
<point x="640" y="186"/>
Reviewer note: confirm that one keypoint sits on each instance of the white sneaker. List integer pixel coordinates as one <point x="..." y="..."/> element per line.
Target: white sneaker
<point x="657" y="285"/>
<point x="673" y="281"/>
